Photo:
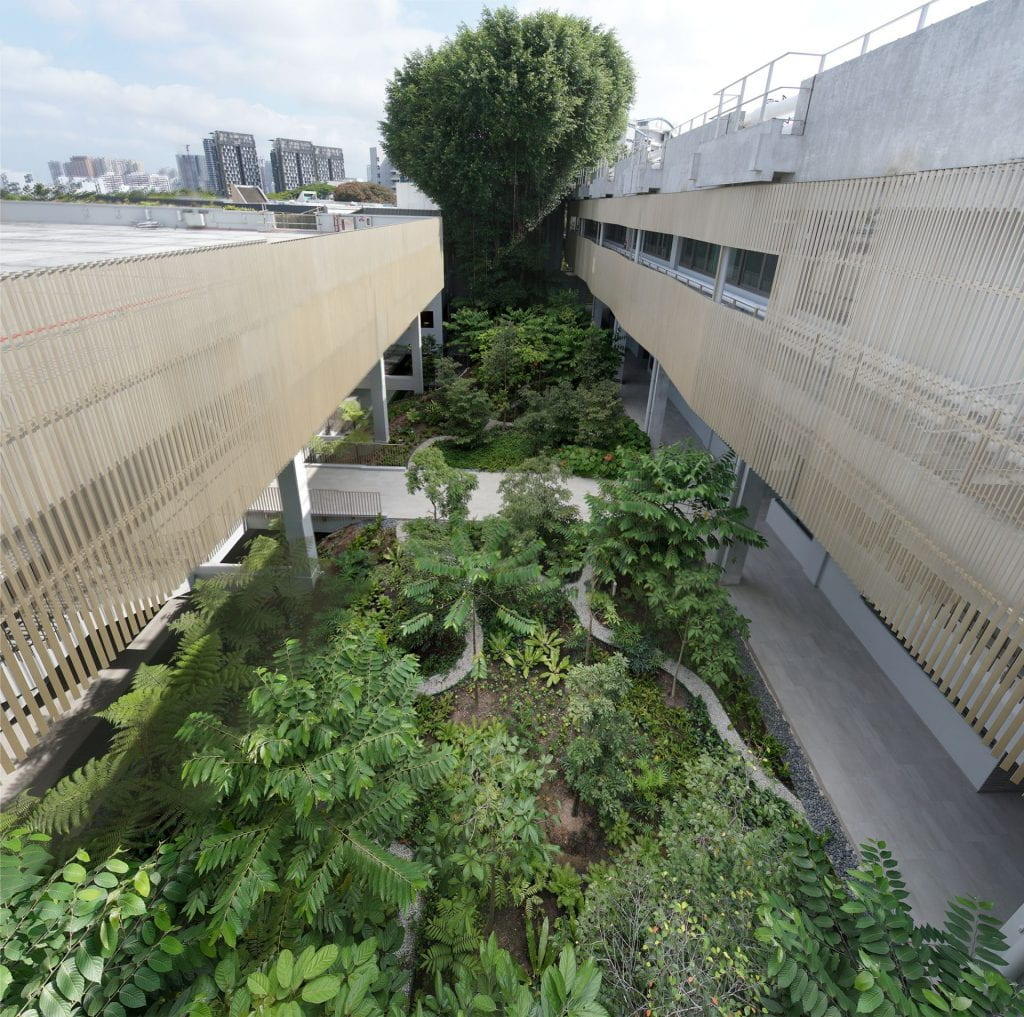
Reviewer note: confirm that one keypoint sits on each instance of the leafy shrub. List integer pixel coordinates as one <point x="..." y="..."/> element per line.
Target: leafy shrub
<point x="642" y="654"/>
<point x="446" y="488"/>
<point x="603" y="740"/>
<point x="484" y="832"/>
<point x="536" y="504"/>
<point x="498" y="985"/>
<point x="672" y="921"/>
<point x="839" y="948"/>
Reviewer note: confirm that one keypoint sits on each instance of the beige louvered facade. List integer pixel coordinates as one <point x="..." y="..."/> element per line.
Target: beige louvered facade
<point x="147" y="403"/>
<point x="882" y="395"/>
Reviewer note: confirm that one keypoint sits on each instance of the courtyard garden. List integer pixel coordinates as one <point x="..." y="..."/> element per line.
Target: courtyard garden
<point x="287" y="821"/>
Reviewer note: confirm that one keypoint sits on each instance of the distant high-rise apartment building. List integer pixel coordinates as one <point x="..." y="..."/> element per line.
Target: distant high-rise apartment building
<point x="191" y="172"/>
<point x="120" y="167"/>
<point x="298" y="163"/>
<point x="293" y="163"/>
<point x="56" y="168"/>
<point x="330" y="163"/>
<point x="80" y="166"/>
<point x="231" y="159"/>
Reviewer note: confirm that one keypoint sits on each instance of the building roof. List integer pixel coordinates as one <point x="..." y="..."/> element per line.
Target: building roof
<point x="30" y="245"/>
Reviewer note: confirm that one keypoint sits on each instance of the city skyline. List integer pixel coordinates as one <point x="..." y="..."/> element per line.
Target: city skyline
<point x="90" y="76"/>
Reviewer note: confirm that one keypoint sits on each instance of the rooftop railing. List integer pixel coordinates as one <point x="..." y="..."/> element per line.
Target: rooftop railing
<point x="758" y="95"/>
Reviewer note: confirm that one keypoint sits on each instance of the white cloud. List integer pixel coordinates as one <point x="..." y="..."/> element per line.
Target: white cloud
<point x="317" y="69"/>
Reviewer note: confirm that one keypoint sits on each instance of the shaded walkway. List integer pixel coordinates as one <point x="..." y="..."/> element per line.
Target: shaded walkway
<point x="886" y="774"/>
<point x="636" y="381"/>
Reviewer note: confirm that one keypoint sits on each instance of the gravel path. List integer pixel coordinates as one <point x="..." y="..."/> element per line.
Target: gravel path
<point x="817" y="807"/>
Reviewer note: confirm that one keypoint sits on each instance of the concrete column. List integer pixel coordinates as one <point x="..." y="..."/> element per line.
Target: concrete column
<point x="752" y="493"/>
<point x="413" y="338"/>
<point x="638" y="244"/>
<point x="724" y="257"/>
<point x="297" y="518"/>
<point x="657" y="399"/>
<point x="375" y="382"/>
<point x="1013" y="930"/>
<point x="674" y="256"/>
<point x="597" y="312"/>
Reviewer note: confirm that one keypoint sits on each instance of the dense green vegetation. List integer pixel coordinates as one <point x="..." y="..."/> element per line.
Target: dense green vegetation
<point x="494" y="125"/>
<point x="526" y="383"/>
<point x="283" y="825"/>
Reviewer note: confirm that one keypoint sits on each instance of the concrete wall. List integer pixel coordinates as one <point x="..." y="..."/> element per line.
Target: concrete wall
<point x="72" y="213"/>
<point x="938" y="714"/>
<point x="949" y="95"/>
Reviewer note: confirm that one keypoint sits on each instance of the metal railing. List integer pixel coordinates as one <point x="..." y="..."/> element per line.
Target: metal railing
<point x="324" y="502"/>
<point x="360" y="453"/>
<point x="754" y="108"/>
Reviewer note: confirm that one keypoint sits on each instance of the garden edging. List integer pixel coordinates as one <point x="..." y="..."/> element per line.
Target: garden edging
<point x="693" y="684"/>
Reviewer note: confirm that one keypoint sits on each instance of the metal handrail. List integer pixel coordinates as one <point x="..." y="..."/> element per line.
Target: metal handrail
<point x="721" y="110"/>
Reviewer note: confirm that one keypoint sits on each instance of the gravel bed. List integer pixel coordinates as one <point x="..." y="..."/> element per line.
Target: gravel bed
<point x="818" y="808"/>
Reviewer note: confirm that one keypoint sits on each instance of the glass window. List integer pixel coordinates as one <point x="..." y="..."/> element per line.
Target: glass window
<point x="590" y="229"/>
<point x="752" y="270"/>
<point x="615" y="234"/>
<point x="426" y="319"/>
<point x="658" y="245"/>
<point x="698" y="256"/>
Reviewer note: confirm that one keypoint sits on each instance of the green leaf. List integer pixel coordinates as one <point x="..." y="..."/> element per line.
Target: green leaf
<point x="70" y="981"/>
<point x="258" y="984"/>
<point x="870" y="1000"/>
<point x="141" y="883"/>
<point x="74" y="873"/>
<point x="89" y="965"/>
<point x="284" y="968"/>
<point x="52" y="1005"/>
<point x="225" y="974"/>
<point x="147" y="979"/>
<point x="321" y="989"/>
<point x="484" y="1003"/>
<point x="935" y="999"/>
<point x="5" y="980"/>
<point x="321" y="960"/>
<point x="132" y="996"/>
<point x="863" y="981"/>
<point x="171" y="945"/>
<point x="116" y="865"/>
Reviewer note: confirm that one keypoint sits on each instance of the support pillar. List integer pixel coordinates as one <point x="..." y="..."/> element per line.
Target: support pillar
<point x="724" y="257"/>
<point x="752" y="494"/>
<point x="413" y="338"/>
<point x="375" y="382"/>
<point x="297" y="518"/>
<point x="657" y="400"/>
<point x="597" y="312"/>
<point x="1013" y="930"/>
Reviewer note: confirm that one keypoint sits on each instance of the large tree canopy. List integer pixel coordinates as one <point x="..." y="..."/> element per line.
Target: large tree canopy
<point x="495" y="125"/>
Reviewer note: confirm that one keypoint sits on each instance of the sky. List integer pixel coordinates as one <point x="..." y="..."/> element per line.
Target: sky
<point x="143" y="78"/>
